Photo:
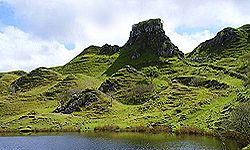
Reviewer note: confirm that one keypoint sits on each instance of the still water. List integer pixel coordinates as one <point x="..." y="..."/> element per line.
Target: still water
<point x="112" y="141"/>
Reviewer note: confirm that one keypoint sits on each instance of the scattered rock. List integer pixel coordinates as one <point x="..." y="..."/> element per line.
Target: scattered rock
<point x="59" y="109"/>
<point x="107" y="86"/>
<point x="198" y="59"/>
<point x="136" y="55"/>
<point x="86" y="97"/>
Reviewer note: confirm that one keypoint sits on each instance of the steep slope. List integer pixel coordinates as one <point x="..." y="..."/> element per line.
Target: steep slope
<point x="229" y="42"/>
<point x="146" y="45"/>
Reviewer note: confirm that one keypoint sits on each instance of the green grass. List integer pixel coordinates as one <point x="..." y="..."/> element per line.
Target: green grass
<point x="148" y="57"/>
<point x="172" y="104"/>
<point x="91" y="62"/>
<point x="168" y="99"/>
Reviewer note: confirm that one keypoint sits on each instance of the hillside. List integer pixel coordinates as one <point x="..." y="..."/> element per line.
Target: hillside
<point x="229" y="42"/>
<point x="146" y="83"/>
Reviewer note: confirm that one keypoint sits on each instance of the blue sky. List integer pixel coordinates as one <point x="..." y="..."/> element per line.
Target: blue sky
<point x="51" y="32"/>
<point x="7" y="14"/>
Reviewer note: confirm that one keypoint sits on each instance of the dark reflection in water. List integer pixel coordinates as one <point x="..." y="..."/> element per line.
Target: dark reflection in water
<point x="113" y="141"/>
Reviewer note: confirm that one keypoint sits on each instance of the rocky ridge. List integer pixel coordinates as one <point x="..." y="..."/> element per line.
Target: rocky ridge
<point x="150" y="35"/>
<point x="227" y="42"/>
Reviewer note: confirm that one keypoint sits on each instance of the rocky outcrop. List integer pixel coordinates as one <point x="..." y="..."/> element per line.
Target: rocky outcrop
<point x="150" y="35"/>
<point x="108" y="49"/>
<point x="79" y="100"/>
<point x="222" y="38"/>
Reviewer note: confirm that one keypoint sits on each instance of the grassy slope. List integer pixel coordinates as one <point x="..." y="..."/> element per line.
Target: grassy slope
<point x="90" y="62"/>
<point x="147" y="58"/>
<point x="173" y="103"/>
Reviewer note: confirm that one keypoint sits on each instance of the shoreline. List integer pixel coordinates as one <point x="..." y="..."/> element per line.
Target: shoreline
<point x="139" y="129"/>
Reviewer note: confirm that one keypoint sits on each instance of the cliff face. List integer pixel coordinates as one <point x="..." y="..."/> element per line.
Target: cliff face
<point x="150" y="35"/>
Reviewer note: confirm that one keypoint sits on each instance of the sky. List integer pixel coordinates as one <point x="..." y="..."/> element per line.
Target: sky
<point x="46" y="33"/>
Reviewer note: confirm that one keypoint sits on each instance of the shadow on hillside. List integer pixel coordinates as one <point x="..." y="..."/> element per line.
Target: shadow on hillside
<point x="147" y="58"/>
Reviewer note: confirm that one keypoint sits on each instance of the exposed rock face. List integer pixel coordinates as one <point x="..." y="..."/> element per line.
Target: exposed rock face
<point x="150" y="34"/>
<point x="86" y="97"/>
<point x="108" y="49"/>
<point x="222" y="38"/>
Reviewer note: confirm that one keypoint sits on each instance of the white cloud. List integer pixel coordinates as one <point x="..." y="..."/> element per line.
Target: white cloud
<point x="96" y="22"/>
<point x="70" y="21"/>
<point x="20" y="50"/>
<point x="187" y="42"/>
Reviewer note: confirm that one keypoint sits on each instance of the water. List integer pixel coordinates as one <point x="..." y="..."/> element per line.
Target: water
<point x="112" y="141"/>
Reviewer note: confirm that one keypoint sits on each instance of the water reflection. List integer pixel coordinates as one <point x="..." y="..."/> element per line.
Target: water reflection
<point x="112" y="141"/>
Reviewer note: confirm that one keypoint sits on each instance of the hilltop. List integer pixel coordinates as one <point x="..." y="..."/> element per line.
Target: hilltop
<point x="229" y="42"/>
<point x="147" y="83"/>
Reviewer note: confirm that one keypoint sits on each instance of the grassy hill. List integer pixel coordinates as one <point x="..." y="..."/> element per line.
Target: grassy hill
<point x="229" y="42"/>
<point x="92" y="61"/>
<point x="144" y="84"/>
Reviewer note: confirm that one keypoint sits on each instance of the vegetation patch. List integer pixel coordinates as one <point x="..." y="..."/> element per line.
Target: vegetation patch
<point x="128" y="86"/>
